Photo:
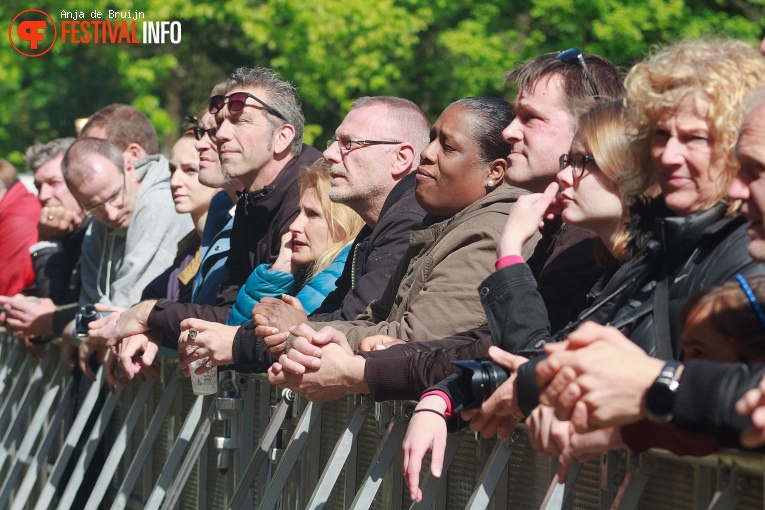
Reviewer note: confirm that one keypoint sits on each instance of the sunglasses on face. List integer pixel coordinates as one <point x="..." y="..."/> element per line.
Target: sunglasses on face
<point x="200" y="132"/>
<point x="236" y="103"/>
<point x="574" y="55"/>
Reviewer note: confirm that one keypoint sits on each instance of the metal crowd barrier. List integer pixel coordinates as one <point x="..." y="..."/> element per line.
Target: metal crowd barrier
<point x="67" y="443"/>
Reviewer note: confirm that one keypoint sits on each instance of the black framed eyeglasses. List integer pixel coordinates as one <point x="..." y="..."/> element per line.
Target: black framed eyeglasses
<point x="576" y="161"/>
<point x="236" y="103"/>
<point x="200" y="132"/>
<point x="348" y="143"/>
<point x="574" y="54"/>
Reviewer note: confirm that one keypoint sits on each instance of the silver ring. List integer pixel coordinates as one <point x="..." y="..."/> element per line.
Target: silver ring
<point x="208" y="364"/>
<point x="192" y="334"/>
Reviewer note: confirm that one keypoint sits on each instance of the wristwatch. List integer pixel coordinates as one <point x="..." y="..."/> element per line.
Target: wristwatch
<point x="660" y="397"/>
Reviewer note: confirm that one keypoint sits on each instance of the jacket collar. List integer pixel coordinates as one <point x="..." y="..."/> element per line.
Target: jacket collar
<point x="681" y="235"/>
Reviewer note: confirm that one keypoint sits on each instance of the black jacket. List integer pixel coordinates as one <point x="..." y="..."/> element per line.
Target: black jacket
<point x="689" y="253"/>
<point x="697" y="252"/>
<point x="374" y="256"/>
<point x="57" y="267"/>
<point x="57" y="274"/>
<point x="261" y="218"/>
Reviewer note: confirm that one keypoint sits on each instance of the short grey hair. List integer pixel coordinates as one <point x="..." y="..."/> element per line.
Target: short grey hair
<point x="282" y="97"/>
<point x="40" y="153"/>
<point x="406" y="120"/>
<point x="73" y="165"/>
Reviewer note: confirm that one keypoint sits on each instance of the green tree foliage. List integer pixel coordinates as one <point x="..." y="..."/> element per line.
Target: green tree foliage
<point x="430" y="51"/>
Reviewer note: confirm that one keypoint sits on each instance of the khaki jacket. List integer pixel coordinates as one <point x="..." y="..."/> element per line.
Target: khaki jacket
<point x="433" y="292"/>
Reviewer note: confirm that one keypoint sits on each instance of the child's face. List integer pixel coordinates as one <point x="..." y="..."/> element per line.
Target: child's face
<point x="702" y="341"/>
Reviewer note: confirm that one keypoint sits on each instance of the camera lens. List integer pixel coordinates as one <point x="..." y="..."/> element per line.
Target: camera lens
<point x="479" y="379"/>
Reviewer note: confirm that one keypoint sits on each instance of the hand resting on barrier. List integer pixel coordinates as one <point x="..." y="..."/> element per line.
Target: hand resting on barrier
<point x="378" y="342"/>
<point x="137" y="353"/>
<point x="426" y="432"/>
<point x="28" y="316"/>
<point x="550" y="436"/>
<point x="274" y="317"/>
<point x="320" y="365"/>
<point x="132" y="321"/>
<point x="99" y="333"/>
<point x="214" y="341"/>
<point x="596" y="378"/>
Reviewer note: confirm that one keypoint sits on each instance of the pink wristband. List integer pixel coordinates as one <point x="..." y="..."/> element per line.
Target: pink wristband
<point x="508" y="260"/>
<point x="443" y="395"/>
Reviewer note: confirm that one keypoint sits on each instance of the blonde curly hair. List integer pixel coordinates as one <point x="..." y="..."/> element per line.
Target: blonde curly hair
<point x="720" y="71"/>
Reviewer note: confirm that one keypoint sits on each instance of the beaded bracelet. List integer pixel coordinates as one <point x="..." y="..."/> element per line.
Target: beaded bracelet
<point x="425" y="410"/>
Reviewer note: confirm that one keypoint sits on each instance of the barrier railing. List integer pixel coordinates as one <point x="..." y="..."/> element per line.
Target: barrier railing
<point x="67" y="443"/>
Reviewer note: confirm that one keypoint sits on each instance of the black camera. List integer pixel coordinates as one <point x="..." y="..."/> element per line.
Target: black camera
<point x="85" y="316"/>
<point x="478" y="380"/>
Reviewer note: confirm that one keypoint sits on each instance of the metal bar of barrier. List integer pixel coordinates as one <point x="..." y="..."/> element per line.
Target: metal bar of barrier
<point x="391" y="442"/>
<point x="492" y="471"/>
<point x="727" y="494"/>
<point x="33" y="472"/>
<point x="557" y="494"/>
<point x="258" y="414"/>
<point x="632" y="487"/>
<point x="178" y="451"/>
<point x="741" y="489"/>
<point x="174" y="492"/>
<point x="8" y="409"/>
<point x="17" y="352"/>
<point x="261" y="453"/>
<point x="142" y="453"/>
<point x="118" y="446"/>
<point x="338" y="457"/>
<point x="35" y="428"/>
<point x="431" y="484"/>
<point x="88" y="405"/>
<point x="14" y="431"/>
<point x="290" y="456"/>
<point x="89" y="451"/>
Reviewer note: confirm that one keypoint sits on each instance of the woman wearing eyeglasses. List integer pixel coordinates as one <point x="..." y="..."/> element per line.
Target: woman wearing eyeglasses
<point x="590" y="193"/>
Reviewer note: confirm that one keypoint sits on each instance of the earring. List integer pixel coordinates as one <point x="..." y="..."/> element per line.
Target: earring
<point x="490" y="182"/>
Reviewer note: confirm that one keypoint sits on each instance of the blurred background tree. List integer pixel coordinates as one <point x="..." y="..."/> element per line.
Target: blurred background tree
<point x="430" y="51"/>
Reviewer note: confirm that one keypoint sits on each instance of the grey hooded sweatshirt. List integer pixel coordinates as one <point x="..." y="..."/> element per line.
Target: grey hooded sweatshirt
<point x="118" y="264"/>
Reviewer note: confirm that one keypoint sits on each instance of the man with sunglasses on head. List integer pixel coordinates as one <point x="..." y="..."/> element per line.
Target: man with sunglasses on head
<point x="259" y="136"/>
<point x="553" y="92"/>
